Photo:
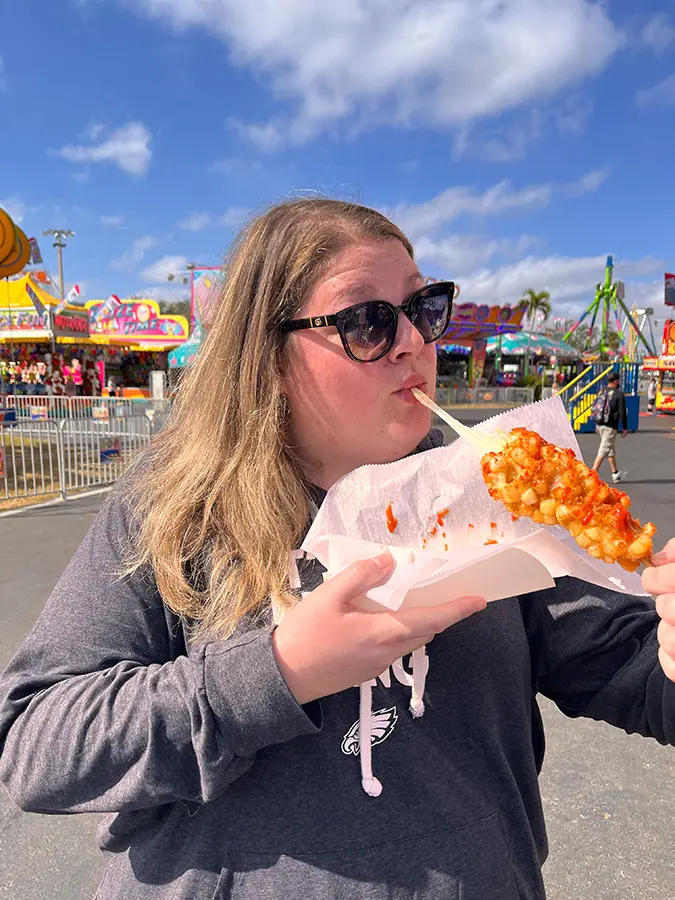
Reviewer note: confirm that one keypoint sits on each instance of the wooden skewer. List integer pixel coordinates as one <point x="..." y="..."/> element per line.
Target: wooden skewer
<point x="482" y="443"/>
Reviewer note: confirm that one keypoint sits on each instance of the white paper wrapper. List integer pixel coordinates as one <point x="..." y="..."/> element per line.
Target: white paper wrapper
<point x="454" y="560"/>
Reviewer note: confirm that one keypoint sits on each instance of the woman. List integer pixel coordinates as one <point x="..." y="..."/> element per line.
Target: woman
<point x="227" y="749"/>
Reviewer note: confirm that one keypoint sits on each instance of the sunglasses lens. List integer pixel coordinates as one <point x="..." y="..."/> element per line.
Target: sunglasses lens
<point x="369" y="329"/>
<point x="430" y="313"/>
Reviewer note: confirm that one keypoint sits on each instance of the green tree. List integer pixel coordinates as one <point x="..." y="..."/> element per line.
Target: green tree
<point x="534" y="303"/>
<point x="175" y="308"/>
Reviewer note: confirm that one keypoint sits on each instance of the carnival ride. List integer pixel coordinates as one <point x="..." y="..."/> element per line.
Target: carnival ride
<point x="617" y="349"/>
<point x="609" y="298"/>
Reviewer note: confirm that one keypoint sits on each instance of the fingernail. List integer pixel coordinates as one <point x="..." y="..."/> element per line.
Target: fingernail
<point x="383" y="561"/>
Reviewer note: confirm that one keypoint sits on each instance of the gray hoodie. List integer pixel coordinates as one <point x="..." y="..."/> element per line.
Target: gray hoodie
<point x="219" y="785"/>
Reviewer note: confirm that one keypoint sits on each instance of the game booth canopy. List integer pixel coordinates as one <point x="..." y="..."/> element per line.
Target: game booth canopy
<point x="128" y="338"/>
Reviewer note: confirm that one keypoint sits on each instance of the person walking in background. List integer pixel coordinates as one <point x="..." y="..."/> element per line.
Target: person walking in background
<point x="651" y="395"/>
<point x="609" y="413"/>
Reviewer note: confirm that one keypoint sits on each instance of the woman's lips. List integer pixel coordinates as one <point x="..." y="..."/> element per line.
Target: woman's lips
<point x="406" y="394"/>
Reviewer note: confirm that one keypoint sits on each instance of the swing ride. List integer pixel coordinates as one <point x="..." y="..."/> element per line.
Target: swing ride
<point x="609" y="300"/>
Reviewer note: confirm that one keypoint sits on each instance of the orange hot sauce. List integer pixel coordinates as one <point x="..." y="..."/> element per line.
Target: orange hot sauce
<point x="392" y="521"/>
<point x="440" y="516"/>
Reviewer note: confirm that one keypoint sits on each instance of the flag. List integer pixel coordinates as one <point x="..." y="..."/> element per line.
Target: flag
<point x="108" y="307"/>
<point x="35" y="255"/>
<point x="35" y="300"/>
<point x="71" y="299"/>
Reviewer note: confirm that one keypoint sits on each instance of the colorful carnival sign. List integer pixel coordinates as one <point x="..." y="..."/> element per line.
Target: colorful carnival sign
<point x="470" y="321"/>
<point x="72" y="323"/>
<point x="135" y="321"/>
<point x="204" y="283"/>
<point x="668" y="348"/>
<point x="23" y="324"/>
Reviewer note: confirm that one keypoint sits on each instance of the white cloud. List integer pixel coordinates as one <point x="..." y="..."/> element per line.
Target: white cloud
<point x="235" y="217"/>
<point x="574" y="115"/>
<point x="662" y="93"/>
<point x="428" y="62"/>
<point x="425" y="219"/>
<point x="3" y="76"/>
<point x="94" y="131"/>
<point x="501" y="144"/>
<point x="165" y="293"/>
<point x="81" y="176"/>
<point x="135" y="254"/>
<point x="196" y="221"/>
<point x="16" y="208"/>
<point x="588" y="183"/>
<point x="268" y="137"/>
<point x="128" y="148"/>
<point x="658" y="33"/>
<point x="466" y="251"/>
<point x="112" y="221"/>
<point x="570" y="280"/>
<point x="162" y="268"/>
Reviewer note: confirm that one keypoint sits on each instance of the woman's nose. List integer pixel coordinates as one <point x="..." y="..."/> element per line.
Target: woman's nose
<point x="408" y="340"/>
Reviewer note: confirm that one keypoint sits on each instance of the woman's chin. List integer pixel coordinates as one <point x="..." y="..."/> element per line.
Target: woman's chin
<point x="404" y="437"/>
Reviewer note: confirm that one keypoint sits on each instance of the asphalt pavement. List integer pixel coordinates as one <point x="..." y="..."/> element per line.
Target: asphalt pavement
<point x="607" y="795"/>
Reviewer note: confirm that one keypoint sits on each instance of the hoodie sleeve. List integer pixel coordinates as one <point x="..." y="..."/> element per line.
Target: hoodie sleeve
<point x="103" y="710"/>
<point x="594" y="653"/>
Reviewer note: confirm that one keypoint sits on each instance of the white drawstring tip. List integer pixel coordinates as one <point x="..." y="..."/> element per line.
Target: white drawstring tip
<point x="416" y="708"/>
<point x="372" y="786"/>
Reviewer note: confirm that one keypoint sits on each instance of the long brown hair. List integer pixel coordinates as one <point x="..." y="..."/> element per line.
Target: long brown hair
<point x="225" y="500"/>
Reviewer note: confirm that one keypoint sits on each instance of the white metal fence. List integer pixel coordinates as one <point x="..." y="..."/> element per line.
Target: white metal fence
<point x="46" y="407"/>
<point x="497" y="396"/>
<point x="48" y="457"/>
<point x="38" y="407"/>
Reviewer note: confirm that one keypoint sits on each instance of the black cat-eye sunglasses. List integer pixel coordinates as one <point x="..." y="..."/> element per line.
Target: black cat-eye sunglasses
<point x="368" y="330"/>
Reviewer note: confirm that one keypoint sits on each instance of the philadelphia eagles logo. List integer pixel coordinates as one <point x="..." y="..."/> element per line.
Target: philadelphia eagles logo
<point x="382" y="725"/>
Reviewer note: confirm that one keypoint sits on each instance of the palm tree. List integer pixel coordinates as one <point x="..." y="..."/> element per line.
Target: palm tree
<point x="534" y="302"/>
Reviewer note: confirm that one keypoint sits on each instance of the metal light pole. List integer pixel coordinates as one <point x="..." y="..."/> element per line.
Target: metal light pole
<point x="59" y="242"/>
<point x="60" y="237"/>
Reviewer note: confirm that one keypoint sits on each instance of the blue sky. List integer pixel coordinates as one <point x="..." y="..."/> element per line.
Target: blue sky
<point x="517" y="141"/>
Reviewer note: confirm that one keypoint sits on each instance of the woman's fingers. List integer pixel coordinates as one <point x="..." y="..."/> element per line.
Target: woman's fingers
<point x="667" y="555"/>
<point x="424" y="620"/>
<point x="357" y="579"/>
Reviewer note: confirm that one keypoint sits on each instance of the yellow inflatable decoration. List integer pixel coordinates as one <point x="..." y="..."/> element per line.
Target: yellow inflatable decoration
<point x="14" y="247"/>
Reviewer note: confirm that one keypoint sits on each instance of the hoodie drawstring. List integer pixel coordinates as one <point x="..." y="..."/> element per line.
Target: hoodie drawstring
<point x="369" y="783"/>
<point x="417" y="681"/>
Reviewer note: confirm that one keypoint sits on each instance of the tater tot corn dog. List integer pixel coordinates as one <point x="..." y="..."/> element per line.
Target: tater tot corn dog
<point x="551" y="486"/>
